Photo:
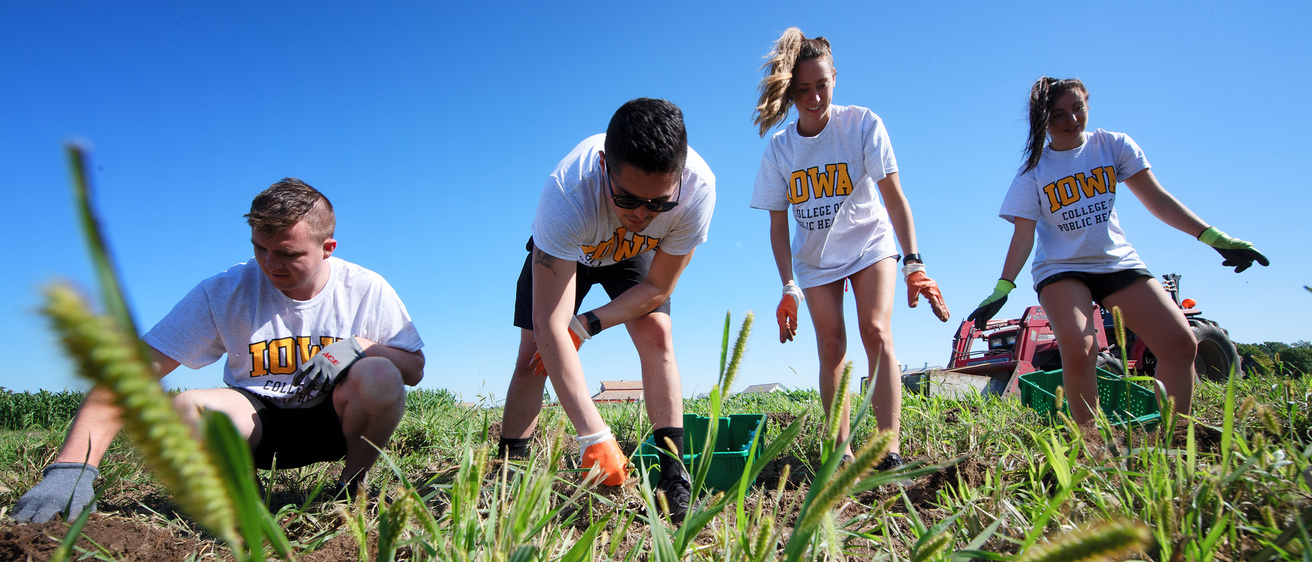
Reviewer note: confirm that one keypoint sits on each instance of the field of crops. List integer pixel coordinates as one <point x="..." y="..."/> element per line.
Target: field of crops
<point x="989" y="479"/>
<point x="997" y="482"/>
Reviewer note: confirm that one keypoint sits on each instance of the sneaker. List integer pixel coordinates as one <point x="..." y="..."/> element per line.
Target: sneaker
<point x="339" y="490"/>
<point x="678" y="492"/>
<point x="891" y="461"/>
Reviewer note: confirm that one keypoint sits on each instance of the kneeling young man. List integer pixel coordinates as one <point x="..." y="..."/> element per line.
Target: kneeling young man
<point x="319" y="353"/>
<point x="625" y="210"/>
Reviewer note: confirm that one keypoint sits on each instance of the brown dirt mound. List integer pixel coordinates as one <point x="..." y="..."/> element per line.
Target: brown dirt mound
<point x="121" y="539"/>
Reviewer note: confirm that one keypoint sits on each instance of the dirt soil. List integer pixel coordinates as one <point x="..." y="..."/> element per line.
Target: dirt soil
<point x="121" y="539"/>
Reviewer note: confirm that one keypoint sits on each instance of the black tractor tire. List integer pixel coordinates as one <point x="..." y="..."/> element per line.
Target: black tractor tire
<point x="1216" y="353"/>
<point x="1110" y="362"/>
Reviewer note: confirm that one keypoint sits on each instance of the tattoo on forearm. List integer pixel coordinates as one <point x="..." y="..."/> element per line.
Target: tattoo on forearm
<point x="545" y="260"/>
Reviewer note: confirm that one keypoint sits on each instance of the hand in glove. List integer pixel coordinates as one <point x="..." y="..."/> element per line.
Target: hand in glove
<point x="601" y="450"/>
<point x="786" y="312"/>
<point x="67" y="485"/>
<point x="991" y="305"/>
<point x="920" y="284"/>
<point x="1237" y="253"/>
<point x="327" y="367"/>
<point x="577" y="333"/>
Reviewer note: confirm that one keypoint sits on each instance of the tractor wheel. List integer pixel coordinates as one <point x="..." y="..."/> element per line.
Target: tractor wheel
<point x="1111" y="363"/>
<point x="1216" y="353"/>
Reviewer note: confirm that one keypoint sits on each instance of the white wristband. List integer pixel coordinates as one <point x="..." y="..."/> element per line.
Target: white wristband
<point x="794" y="291"/>
<point x="910" y="268"/>
<point x="579" y="329"/>
<point x="586" y="441"/>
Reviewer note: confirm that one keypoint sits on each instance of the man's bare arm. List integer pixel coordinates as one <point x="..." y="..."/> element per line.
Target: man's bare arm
<point x="97" y="420"/>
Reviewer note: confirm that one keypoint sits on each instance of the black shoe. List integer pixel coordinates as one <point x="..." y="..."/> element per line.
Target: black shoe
<point x="339" y="490"/>
<point x="678" y="492"/>
<point x="846" y="460"/>
<point x="891" y="461"/>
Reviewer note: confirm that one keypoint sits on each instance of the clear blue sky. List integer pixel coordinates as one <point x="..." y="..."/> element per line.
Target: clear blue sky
<point x="432" y="127"/>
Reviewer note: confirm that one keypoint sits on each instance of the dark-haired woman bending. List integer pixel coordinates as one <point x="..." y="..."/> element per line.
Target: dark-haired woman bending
<point x="1066" y="193"/>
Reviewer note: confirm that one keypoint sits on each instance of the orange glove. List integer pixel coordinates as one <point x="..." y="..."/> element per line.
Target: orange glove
<point x="602" y="451"/>
<point x="920" y="284"/>
<point x="576" y="332"/>
<point x="786" y="312"/>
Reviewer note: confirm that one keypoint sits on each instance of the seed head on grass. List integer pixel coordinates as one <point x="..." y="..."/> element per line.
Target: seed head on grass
<point x="837" y="406"/>
<point x="739" y="346"/>
<point x="1269" y="420"/>
<point x="842" y="481"/>
<point x="764" y="539"/>
<point x="1118" y="320"/>
<point x="933" y="548"/>
<point x="1107" y="540"/>
<point x="109" y="357"/>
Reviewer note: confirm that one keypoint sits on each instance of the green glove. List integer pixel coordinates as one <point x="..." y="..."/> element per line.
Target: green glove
<point x="991" y="305"/>
<point x="1237" y="253"/>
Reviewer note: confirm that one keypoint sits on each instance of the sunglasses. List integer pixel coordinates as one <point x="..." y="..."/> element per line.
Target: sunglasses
<point x="631" y="202"/>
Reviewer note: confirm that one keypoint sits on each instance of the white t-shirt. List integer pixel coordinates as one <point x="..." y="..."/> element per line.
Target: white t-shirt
<point x="829" y="179"/>
<point x="1071" y="194"/>
<point x="267" y="335"/>
<point x="574" y="219"/>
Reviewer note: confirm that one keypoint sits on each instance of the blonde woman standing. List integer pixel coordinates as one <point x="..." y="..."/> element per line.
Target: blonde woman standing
<point x="834" y="166"/>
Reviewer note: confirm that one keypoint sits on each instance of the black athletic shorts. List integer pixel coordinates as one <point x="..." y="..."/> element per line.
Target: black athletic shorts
<point x="1101" y="285"/>
<point x="297" y="436"/>
<point x="615" y="279"/>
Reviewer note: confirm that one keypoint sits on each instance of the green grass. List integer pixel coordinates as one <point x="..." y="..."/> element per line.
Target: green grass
<point x="989" y="479"/>
<point x="1022" y="481"/>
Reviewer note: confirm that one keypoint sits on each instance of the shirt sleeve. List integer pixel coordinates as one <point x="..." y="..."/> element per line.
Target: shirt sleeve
<point x="189" y="334"/>
<point x="1130" y="159"/>
<point x="771" y="190"/>
<point x="557" y="222"/>
<point x="696" y="221"/>
<point x="878" y="153"/>
<point x="391" y="324"/>
<point x="1022" y="200"/>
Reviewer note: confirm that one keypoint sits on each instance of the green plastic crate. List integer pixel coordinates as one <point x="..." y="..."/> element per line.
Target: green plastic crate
<point x="733" y="442"/>
<point x="1122" y="401"/>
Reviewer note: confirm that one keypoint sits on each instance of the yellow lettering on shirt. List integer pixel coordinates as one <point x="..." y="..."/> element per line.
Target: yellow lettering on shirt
<point x="1071" y="189"/>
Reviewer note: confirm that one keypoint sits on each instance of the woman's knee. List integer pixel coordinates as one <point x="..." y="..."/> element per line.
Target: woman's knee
<point x="876" y="334"/>
<point x="831" y="350"/>
<point x="1175" y="344"/>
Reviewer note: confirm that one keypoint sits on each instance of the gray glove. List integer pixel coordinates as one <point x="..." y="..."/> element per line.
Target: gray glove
<point x="327" y="367"/>
<point x="67" y="485"/>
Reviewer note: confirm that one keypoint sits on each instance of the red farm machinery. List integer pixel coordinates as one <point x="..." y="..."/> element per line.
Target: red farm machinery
<point x="991" y="361"/>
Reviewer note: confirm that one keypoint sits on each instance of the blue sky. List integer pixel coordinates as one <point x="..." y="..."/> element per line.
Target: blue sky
<point x="432" y="127"/>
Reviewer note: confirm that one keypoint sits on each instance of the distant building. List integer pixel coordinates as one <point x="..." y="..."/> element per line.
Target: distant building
<point x="764" y="388"/>
<point x="613" y="392"/>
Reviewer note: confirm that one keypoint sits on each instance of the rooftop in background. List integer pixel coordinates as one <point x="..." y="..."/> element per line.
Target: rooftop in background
<point x="763" y="388"/>
<point x="619" y="391"/>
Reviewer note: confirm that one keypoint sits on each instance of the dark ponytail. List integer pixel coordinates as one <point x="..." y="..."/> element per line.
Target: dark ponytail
<point x="1042" y="95"/>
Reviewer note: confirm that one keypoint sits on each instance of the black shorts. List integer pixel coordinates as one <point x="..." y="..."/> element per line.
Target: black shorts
<point x="297" y="436"/>
<point x="1101" y="285"/>
<point x="615" y="279"/>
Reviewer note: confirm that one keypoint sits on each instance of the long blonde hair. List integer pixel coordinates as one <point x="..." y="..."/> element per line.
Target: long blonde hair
<point x="776" y="95"/>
